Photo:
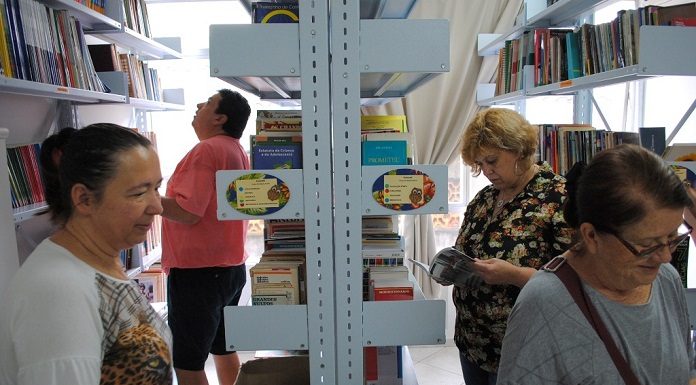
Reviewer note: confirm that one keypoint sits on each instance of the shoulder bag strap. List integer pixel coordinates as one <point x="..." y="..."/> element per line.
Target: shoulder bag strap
<point x="571" y="280"/>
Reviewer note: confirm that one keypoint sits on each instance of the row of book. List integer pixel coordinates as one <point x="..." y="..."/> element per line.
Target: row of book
<point x="562" y="145"/>
<point x="96" y="5"/>
<point x="385" y="140"/>
<point x="557" y="55"/>
<point x="136" y="17"/>
<point x="143" y="82"/>
<point x="26" y="182"/>
<point x="42" y="44"/>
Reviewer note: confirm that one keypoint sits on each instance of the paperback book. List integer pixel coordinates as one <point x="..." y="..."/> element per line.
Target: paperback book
<point x="451" y="266"/>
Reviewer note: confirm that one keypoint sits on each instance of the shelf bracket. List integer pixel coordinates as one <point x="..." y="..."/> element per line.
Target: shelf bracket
<point x="276" y="87"/>
<point x="679" y="125"/>
<point x="599" y="111"/>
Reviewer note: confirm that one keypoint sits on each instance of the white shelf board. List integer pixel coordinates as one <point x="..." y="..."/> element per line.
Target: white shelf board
<point x="373" y="9"/>
<point x="26" y="87"/>
<point x="420" y="322"/>
<point x="152" y="105"/>
<point x="152" y="257"/>
<point x="276" y="327"/>
<point x="564" y="12"/>
<point x="89" y="18"/>
<point x="25" y="212"/>
<point x="145" y="47"/>
<point x="396" y="57"/>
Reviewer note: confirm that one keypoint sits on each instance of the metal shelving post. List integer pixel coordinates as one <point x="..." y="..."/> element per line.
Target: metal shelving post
<point x="345" y="98"/>
<point x="318" y="197"/>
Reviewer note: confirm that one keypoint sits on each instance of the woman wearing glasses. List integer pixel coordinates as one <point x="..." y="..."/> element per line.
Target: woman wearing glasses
<point x="627" y="207"/>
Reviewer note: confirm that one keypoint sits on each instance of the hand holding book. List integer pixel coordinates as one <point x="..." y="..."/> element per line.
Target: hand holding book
<point x="452" y="267"/>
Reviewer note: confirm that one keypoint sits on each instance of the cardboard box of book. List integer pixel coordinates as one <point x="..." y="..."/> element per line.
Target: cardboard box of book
<point x="292" y="370"/>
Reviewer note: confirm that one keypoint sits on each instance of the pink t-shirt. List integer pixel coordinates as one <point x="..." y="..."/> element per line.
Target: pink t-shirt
<point x="209" y="242"/>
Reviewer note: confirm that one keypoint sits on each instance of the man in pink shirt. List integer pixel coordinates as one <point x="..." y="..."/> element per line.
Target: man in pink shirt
<point x="203" y="257"/>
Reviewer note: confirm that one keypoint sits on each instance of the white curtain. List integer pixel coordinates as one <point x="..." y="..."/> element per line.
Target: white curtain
<point x="438" y="111"/>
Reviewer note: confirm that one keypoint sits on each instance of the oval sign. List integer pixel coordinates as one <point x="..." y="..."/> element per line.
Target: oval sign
<point x="403" y="189"/>
<point x="257" y="194"/>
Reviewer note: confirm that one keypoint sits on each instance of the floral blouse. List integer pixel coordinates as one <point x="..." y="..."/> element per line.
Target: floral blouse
<point x="529" y="231"/>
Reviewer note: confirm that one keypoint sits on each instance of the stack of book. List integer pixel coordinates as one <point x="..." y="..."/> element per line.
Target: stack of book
<point x="278" y="140"/>
<point x="385" y="140"/>
<point x="382" y="364"/>
<point x="279" y="277"/>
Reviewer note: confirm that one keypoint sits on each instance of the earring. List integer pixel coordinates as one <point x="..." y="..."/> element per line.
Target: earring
<point x="517" y="171"/>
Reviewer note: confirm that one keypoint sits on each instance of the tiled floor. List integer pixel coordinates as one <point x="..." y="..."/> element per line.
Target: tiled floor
<point x="434" y="364"/>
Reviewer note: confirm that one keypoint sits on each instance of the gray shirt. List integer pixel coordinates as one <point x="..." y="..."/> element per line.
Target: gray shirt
<point x="549" y="341"/>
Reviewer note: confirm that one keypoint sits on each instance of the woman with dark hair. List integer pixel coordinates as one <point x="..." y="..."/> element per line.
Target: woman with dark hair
<point x="627" y="207"/>
<point x="512" y="227"/>
<point x="70" y="314"/>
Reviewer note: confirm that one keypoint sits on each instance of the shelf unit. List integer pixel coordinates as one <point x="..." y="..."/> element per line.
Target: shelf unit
<point x="663" y="51"/>
<point x="42" y="110"/>
<point x="370" y="60"/>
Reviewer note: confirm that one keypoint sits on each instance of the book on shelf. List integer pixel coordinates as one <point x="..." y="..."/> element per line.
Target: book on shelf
<point x="452" y="266"/>
<point x="276" y="152"/>
<point x="653" y="138"/>
<point x="383" y="365"/>
<point x="26" y="182"/>
<point x="281" y="124"/>
<point x="386" y="148"/>
<point x="275" y="12"/>
<point x="383" y="123"/>
<point x="277" y="278"/>
<point x="104" y="57"/>
<point x="681" y="14"/>
<point x="680" y="152"/>
<point x="279" y="114"/>
<point x="384" y="152"/>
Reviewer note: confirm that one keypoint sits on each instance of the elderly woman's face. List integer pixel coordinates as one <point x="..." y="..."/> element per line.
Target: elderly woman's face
<point x="619" y="265"/>
<point x="130" y="201"/>
<point x="499" y="167"/>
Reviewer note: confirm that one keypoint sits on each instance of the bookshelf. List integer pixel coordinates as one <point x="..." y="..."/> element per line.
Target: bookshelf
<point x="30" y="110"/>
<point x="333" y="68"/>
<point x="663" y="51"/>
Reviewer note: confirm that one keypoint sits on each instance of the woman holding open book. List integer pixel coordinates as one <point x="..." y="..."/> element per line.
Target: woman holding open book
<point x="611" y="309"/>
<point x="512" y="227"/>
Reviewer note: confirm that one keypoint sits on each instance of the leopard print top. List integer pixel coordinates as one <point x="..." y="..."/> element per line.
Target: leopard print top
<point x="136" y="342"/>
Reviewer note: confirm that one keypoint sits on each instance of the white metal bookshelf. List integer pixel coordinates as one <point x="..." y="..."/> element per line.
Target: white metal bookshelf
<point x="371" y="60"/>
<point x="98" y="28"/>
<point x="663" y="51"/>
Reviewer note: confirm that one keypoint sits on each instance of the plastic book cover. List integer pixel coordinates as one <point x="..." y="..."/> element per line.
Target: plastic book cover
<point x="384" y="152"/>
<point x="276" y="152"/>
<point x="451" y="266"/>
<point x="270" y="12"/>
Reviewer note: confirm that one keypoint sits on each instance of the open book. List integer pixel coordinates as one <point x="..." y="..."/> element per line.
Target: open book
<point x="451" y="266"/>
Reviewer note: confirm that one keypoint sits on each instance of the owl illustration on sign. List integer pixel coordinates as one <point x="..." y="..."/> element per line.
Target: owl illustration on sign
<point x="274" y="192"/>
<point x="416" y="195"/>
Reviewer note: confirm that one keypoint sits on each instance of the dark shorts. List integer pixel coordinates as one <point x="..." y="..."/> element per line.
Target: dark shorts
<point x="196" y="299"/>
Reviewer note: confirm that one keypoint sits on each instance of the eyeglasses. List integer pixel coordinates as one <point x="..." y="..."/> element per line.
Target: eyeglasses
<point x="646" y="253"/>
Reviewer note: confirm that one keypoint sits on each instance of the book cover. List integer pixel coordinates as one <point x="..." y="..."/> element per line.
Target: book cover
<point x="573" y="55"/>
<point x="279" y="124"/>
<point x="653" y="138"/>
<point x="452" y="266"/>
<point x="276" y="152"/>
<point x="279" y="114"/>
<point x="104" y="57"/>
<point x="383" y="123"/>
<point x="270" y="12"/>
<point x="384" y="152"/>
